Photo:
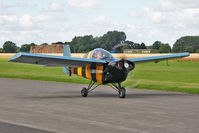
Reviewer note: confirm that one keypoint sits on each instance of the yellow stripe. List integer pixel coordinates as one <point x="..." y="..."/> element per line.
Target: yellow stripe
<point x="88" y="72"/>
<point x="89" y="55"/>
<point x="72" y="70"/>
<point x="79" y="71"/>
<point x="99" y="71"/>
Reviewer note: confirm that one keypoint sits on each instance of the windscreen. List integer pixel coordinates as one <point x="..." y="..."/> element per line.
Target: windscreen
<point x="99" y="54"/>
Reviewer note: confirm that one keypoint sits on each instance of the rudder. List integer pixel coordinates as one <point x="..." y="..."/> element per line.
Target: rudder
<point x="66" y="52"/>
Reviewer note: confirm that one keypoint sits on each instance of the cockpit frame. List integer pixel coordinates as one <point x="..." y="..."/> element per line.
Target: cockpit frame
<point x="99" y="54"/>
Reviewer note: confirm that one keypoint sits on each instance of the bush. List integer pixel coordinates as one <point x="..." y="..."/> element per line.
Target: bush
<point x="154" y="51"/>
<point x="189" y="49"/>
<point x="1" y="50"/>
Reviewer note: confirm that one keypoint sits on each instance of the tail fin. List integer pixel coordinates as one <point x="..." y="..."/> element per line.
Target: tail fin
<point x="66" y="52"/>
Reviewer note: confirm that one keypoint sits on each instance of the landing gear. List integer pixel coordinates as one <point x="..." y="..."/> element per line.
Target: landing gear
<point x="85" y="91"/>
<point x="121" y="90"/>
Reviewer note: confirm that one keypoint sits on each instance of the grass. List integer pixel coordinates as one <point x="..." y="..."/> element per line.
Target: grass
<point x="178" y="76"/>
<point x="35" y="72"/>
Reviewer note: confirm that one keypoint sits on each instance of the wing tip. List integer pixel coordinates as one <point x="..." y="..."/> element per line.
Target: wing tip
<point x="14" y="57"/>
<point x="185" y="54"/>
<point x="188" y="54"/>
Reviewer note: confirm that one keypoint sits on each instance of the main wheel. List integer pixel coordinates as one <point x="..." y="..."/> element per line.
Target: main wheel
<point x="122" y="92"/>
<point x="84" y="92"/>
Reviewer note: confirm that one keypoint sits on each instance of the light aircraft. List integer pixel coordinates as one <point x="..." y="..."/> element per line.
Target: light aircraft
<point x="97" y="65"/>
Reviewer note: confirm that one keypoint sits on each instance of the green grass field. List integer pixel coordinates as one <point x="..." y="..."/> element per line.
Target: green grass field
<point x="178" y="76"/>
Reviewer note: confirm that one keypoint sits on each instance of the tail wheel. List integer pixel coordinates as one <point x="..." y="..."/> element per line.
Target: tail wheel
<point x="84" y="92"/>
<point x="122" y="92"/>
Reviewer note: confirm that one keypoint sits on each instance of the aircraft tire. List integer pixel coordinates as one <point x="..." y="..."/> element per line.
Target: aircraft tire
<point x="84" y="92"/>
<point x="122" y="92"/>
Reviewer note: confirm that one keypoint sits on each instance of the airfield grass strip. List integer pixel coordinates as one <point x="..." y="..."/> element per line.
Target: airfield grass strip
<point x="178" y="76"/>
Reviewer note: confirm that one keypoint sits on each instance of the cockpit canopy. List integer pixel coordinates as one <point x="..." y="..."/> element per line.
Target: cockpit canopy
<point x="98" y="53"/>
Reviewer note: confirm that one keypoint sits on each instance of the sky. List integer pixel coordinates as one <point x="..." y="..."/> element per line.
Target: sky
<point x="48" y="21"/>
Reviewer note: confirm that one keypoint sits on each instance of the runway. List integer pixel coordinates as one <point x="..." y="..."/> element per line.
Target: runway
<point x="45" y="107"/>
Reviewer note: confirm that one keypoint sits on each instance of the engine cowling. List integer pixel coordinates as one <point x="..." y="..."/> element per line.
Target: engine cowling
<point x="124" y="65"/>
<point x="117" y="70"/>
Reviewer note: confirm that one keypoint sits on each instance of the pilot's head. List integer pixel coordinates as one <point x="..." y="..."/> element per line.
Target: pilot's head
<point x="99" y="55"/>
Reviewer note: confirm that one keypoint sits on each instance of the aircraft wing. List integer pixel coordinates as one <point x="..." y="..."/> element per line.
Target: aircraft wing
<point x="52" y="60"/>
<point x="157" y="58"/>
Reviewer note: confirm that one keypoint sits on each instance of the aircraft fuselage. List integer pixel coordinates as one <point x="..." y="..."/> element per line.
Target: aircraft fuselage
<point x="113" y="71"/>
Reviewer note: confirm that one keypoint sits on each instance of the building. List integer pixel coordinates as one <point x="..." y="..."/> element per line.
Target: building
<point x="143" y="51"/>
<point x="47" y="49"/>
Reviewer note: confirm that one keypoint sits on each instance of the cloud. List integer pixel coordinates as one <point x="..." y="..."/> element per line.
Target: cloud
<point x="100" y="20"/>
<point x="42" y="18"/>
<point x="21" y="3"/>
<point x="18" y="4"/>
<point x="178" y="18"/>
<point x="170" y="5"/>
<point x="27" y="28"/>
<point x="84" y="4"/>
<point x="177" y="9"/>
<point x="7" y="18"/>
<point x="30" y="21"/>
<point x="55" y="7"/>
<point x="172" y="19"/>
<point x="133" y="14"/>
<point x="26" y="20"/>
<point x="1" y="3"/>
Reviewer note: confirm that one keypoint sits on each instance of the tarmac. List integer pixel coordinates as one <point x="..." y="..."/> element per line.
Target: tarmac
<point x="28" y="106"/>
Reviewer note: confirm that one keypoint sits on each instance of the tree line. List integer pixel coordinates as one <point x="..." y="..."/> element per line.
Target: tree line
<point x="82" y="44"/>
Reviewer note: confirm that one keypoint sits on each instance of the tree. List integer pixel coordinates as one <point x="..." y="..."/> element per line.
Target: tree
<point x="9" y="47"/>
<point x="156" y="45"/>
<point x="164" y="48"/>
<point x="88" y="42"/>
<point x="136" y="46"/>
<point x="130" y="44"/>
<point x="82" y="44"/>
<point x="112" y="38"/>
<point x="55" y="43"/>
<point x="142" y="46"/>
<point x="154" y="51"/>
<point x="168" y="47"/>
<point x="1" y="50"/>
<point x="159" y="47"/>
<point x="149" y="47"/>
<point x="182" y="43"/>
<point x="44" y="44"/>
<point x="189" y="49"/>
<point x="26" y="47"/>
<point x="197" y="51"/>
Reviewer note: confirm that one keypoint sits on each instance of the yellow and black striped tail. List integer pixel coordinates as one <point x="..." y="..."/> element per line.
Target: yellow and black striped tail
<point x="91" y="72"/>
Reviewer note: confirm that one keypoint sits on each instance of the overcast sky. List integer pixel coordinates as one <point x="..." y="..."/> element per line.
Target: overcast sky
<point x="47" y="21"/>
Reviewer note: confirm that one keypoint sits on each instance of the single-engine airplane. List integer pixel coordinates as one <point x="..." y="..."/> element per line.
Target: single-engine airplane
<point x="97" y="65"/>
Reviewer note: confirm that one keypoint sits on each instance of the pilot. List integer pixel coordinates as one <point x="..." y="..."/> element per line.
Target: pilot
<point x="99" y="55"/>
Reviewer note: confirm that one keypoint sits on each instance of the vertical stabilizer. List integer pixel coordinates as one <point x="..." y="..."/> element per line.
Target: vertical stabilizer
<point x="66" y="52"/>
